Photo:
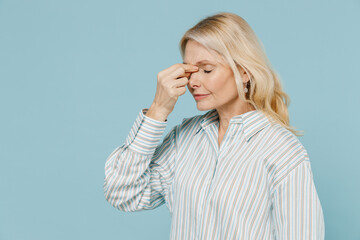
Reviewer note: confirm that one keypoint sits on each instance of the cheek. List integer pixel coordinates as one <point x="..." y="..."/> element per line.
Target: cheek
<point x="213" y="85"/>
<point x="219" y="83"/>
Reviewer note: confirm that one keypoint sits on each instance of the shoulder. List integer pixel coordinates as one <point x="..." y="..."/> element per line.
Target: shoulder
<point x="276" y="140"/>
<point x="282" y="152"/>
<point x="189" y="126"/>
<point x="281" y="138"/>
<point x="186" y="129"/>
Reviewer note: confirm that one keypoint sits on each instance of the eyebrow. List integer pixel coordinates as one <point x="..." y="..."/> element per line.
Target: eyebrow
<point x="202" y="62"/>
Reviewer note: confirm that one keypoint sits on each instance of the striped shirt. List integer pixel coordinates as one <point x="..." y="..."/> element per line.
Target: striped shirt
<point x="257" y="184"/>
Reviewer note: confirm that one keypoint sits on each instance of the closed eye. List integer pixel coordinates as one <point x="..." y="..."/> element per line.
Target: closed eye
<point x="207" y="72"/>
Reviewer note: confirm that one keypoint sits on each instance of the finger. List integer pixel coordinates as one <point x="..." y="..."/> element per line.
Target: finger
<point x="180" y="91"/>
<point x="181" y="82"/>
<point x="190" y="67"/>
<point x="186" y="74"/>
<point x="186" y="66"/>
<point x="184" y="70"/>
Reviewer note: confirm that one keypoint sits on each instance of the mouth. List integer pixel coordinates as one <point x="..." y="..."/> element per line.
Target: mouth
<point x="200" y="96"/>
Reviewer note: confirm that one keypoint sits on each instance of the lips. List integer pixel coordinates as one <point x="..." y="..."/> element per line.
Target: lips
<point x="200" y="94"/>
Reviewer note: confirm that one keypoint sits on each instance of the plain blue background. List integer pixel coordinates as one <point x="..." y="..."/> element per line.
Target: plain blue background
<point x="75" y="74"/>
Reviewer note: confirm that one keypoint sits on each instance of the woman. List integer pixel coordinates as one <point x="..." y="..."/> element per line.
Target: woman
<point x="236" y="172"/>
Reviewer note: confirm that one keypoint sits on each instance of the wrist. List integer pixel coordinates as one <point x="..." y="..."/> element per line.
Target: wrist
<point x="156" y="114"/>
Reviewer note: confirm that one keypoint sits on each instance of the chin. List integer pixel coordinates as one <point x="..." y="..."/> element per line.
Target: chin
<point x="203" y="107"/>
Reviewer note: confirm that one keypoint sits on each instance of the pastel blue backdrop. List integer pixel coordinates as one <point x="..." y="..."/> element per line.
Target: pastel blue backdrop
<point x="75" y="74"/>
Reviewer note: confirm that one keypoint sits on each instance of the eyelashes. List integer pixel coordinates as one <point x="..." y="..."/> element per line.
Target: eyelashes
<point x="206" y="72"/>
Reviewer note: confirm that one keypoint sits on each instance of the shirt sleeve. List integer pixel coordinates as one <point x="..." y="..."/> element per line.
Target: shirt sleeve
<point x="139" y="172"/>
<point x="297" y="211"/>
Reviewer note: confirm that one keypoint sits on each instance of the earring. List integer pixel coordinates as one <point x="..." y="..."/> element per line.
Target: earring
<point x="246" y="89"/>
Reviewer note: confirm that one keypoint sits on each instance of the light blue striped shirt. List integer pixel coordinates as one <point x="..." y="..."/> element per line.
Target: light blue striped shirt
<point x="257" y="185"/>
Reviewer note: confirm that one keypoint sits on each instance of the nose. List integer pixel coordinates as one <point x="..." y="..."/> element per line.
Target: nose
<point x="194" y="80"/>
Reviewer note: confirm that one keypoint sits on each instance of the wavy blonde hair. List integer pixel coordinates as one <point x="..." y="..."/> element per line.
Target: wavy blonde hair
<point x="232" y="37"/>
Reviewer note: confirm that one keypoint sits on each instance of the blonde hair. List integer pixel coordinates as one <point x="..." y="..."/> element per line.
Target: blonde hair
<point x="232" y="37"/>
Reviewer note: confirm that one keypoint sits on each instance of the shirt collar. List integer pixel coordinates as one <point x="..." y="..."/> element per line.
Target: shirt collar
<point x="253" y="121"/>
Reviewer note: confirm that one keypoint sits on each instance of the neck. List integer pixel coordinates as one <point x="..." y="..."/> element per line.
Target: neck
<point x="226" y="113"/>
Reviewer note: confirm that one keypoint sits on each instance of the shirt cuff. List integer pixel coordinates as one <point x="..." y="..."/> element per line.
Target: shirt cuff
<point x="146" y="133"/>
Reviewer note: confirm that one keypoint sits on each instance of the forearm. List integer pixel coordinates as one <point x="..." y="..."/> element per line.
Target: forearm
<point x="133" y="178"/>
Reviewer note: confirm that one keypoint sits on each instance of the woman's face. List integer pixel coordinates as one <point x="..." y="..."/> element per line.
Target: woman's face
<point x="214" y="78"/>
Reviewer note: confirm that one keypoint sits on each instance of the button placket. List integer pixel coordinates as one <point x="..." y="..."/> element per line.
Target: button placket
<point x="228" y="137"/>
<point x="212" y="171"/>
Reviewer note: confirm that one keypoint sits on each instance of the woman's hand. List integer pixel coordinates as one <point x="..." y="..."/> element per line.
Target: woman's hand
<point x="171" y="83"/>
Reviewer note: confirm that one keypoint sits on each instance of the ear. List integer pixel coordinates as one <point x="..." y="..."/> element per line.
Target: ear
<point x="243" y="74"/>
